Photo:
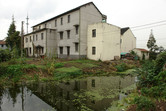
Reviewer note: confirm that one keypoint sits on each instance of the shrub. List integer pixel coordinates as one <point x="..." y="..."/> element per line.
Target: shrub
<point x="5" y="55"/>
<point x="121" y="67"/>
<point x="159" y="62"/>
<point x="144" y="104"/>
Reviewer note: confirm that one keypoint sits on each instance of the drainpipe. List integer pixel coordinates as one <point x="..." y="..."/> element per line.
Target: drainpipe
<point x="46" y="42"/>
<point x="79" y="31"/>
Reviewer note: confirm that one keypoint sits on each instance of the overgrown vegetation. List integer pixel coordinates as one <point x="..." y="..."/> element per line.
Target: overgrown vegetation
<point x="152" y="84"/>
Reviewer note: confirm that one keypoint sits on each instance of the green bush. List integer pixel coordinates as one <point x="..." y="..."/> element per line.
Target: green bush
<point x="5" y="55"/>
<point x="144" y="104"/>
<point x="159" y="62"/>
<point x="121" y="67"/>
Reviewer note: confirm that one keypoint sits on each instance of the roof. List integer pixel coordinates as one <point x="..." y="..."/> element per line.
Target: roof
<point x="142" y="50"/>
<point x="77" y="8"/>
<point x="2" y="42"/>
<point x="123" y="30"/>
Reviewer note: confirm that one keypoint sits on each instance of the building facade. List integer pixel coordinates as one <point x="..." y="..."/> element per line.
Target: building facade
<point x="107" y="42"/>
<point x="103" y="41"/>
<point x="128" y="40"/>
<point x="64" y="35"/>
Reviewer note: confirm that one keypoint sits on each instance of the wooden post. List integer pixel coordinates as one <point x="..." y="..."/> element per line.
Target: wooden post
<point x="22" y="38"/>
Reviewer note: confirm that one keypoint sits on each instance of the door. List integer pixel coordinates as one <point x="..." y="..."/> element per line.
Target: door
<point x="68" y="50"/>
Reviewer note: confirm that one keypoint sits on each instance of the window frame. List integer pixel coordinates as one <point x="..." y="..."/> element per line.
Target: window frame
<point x="60" y="50"/>
<point x="93" y="50"/>
<point x="94" y="33"/>
<point x="61" y="35"/>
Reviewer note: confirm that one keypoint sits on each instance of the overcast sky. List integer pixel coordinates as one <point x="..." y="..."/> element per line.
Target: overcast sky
<point x="122" y="13"/>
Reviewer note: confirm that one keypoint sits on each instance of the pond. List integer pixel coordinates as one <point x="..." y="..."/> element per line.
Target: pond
<point x="92" y="93"/>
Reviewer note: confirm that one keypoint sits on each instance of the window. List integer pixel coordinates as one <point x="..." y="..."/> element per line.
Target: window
<point x="61" y="35"/>
<point x="2" y="45"/>
<point x="61" y="21"/>
<point x="45" y="25"/>
<point x="93" y="50"/>
<point x="39" y="27"/>
<point x="41" y="36"/>
<point x="30" y="50"/>
<point x="36" y="38"/>
<point x="76" y="29"/>
<point x="26" y="40"/>
<point x="55" y="23"/>
<point x="94" y="33"/>
<point x="42" y="50"/>
<point x="30" y="39"/>
<point x="61" y="50"/>
<point x="68" y="18"/>
<point x="68" y="34"/>
<point x="76" y="47"/>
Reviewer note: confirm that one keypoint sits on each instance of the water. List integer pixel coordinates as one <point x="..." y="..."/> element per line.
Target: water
<point x="92" y="93"/>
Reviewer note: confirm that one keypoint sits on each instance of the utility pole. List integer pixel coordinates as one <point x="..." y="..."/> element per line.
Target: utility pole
<point x="27" y="23"/>
<point x="22" y="38"/>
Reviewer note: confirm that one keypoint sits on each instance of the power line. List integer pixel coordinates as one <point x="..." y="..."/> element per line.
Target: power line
<point x="148" y="27"/>
<point x="149" y="24"/>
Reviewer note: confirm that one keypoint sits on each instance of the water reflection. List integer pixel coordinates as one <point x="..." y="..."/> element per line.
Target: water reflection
<point x="94" y="93"/>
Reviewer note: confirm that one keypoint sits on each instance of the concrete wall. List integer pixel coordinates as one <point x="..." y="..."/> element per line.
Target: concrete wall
<point x="128" y="41"/>
<point x="107" y="41"/>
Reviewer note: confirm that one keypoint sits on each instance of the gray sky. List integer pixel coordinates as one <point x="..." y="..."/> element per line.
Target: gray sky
<point x="122" y="13"/>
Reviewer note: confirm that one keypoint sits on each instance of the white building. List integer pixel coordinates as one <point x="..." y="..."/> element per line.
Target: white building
<point x="64" y="35"/>
<point x="106" y="41"/>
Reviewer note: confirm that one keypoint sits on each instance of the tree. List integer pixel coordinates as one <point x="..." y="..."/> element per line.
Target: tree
<point x="153" y="48"/>
<point x="13" y="38"/>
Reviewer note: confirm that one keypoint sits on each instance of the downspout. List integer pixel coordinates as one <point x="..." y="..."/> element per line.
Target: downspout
<point x="79" y="31"/>
<point x="46" y="42"/>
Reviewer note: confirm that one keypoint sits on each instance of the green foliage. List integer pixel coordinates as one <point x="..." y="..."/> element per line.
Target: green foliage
<point x="13" y="38"/>
<point x="157" y="92"/>
<point x="36" y="77"/>
<point x="5" y="55"/>
<point x="121" y="67"/>
<point x="159" y="62"/>
<point x="59" y="65"/>
<point x="144" y="104"/>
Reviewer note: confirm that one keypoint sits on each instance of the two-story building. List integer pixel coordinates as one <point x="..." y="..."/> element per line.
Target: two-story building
<point x="64" y="35"/>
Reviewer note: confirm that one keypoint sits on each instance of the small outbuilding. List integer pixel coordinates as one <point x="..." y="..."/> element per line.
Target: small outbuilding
<point x="143" y="54"/>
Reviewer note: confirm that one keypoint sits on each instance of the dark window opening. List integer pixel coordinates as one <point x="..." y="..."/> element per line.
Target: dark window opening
<point x="61" y="35"/>
<point x="30" y="50"/>
<point x="76" y="29"/>
<point x="55" y="23"/>
<point x="42" y="36"/>
<point x="94" y="33"/>
<point x="61" y="21"/>
<point x="93" y="50"/>
<point x="36" y="38"/>
<point x="61" y="50"/>
<point x="68" y="18"/>
<point x="68" y="50"/>
<point x="68" y="34"/>
<point x="33" y="38"/>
